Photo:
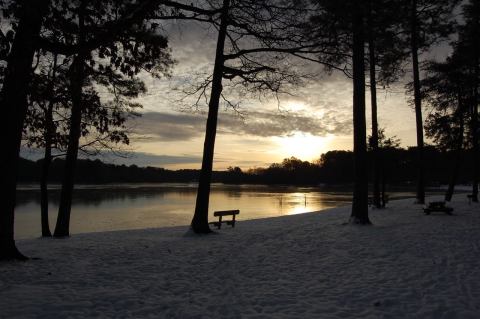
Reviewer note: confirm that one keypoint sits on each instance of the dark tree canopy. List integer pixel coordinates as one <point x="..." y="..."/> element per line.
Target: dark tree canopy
<point x="110" y="59"/>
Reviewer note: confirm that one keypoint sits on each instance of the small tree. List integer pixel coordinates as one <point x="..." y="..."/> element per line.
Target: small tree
<point x="387" y="146"/>
<point x="102" y="124"/>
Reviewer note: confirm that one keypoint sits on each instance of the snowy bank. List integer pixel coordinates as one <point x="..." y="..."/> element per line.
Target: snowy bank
<point x="408" y="265"/>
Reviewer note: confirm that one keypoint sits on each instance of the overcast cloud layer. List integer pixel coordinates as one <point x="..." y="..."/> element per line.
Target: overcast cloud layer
<point x="186" y="126"/>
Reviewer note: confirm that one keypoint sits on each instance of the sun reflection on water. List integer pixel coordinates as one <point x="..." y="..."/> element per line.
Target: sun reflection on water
<point x="117" y="208"/>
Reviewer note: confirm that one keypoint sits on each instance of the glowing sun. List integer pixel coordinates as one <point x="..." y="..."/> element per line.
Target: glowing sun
<point x="306" y="147"/>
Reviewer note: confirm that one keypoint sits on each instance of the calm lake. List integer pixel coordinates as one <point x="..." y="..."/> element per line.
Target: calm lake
<point x="133" y="206"/>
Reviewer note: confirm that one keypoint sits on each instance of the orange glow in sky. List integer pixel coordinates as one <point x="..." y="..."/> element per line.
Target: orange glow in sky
<point x="303" y="146"/>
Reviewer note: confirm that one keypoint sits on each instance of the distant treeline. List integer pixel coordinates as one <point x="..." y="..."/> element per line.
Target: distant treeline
<point x="333" y="167"/>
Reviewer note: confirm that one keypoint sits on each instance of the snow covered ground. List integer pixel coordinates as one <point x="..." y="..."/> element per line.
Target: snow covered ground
<point x="407" y="265"/>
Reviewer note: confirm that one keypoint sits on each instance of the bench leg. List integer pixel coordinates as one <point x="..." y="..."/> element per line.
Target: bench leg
<point x="219" y="222"/>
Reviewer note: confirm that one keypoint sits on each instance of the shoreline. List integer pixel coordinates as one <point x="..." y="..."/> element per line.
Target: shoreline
<point x="309" y="265"/>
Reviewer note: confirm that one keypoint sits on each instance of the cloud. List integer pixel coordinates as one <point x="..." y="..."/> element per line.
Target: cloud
<point x="168" y="126"/>
<point x="162" y="126"/>
<point x="326" y="100"/>
<point x="265" y="124"/>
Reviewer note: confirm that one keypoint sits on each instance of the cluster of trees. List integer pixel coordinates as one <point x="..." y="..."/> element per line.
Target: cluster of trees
<point x="56" y="54"/>
<point x="451" y="87"/>
<point x="96" y="172"/>
<point x="336" y="167"/>
<point x="333" y="167"/>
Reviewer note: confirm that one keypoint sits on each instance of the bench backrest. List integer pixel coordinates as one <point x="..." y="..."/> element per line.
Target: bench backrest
<point x="226" y="212"/>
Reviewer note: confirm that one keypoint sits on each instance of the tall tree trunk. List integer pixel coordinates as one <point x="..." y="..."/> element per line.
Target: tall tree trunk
<point x="200" y="218"/>
<point x="47" y="159"/>
<point x="77" y="77"/>
<point x="418" y="105"/>
<point x="476" y="148"/>
<point x="373" y="98"/>
<point x="456" y="164"/>
<point x="13" y="101"/>
<point x="475" y="124"/>
<point x="360" y="193"/>
<point x="62" y="228"/>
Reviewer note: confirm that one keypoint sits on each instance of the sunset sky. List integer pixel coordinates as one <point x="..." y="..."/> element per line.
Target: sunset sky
<point x="315" y="118"/>
<point x="312" y="119"/>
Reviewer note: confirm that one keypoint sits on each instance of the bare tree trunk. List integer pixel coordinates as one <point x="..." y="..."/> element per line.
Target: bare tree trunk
<point x="418" y="106"/>
<point x="13" y="101"/>
<point x="47" y="159"/>
<point x="475" y="125"/>
<point x="476" y="150"/>
<point x="456" y="164"/>
<point x="200" y="218"/>
<point x="373" y="96"/>
<point x="62" y="228"/>
<point x="77" y="77"/>
<point x="360" y="193"/>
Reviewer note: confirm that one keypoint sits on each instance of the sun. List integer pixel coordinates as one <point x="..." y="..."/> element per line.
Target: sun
<point x="304" y="146"/>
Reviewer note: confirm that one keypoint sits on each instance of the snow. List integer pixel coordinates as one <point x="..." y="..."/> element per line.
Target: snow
<point x="407" y="265"/>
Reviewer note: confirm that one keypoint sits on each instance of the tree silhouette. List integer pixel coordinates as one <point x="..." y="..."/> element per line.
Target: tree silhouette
<point x="259" y="36"/>
<point x="18" y="71"/>
<point x="468" y="46"/>
<point x="385" y="50"/>
<point x="429" y="21"/>
<point x="446" y="89"/>
<point x="360" y="192"/>
<point x="13" y="100"/>
<point x="388" y="148"/>
<point x="342" y="25"/>
<point x="103" y="118"/>
<point x="113" y="63"/>
<point x="373" y="98"/>
<point x="452" y="89"/>
<point x="40" y="127"/>
<point x="200" y="217"/>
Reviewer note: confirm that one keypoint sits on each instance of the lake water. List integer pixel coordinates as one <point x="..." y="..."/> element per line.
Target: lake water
<point x="135" y="206"/>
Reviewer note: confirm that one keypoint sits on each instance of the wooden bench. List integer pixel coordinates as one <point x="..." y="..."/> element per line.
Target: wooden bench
<point x="437" y="207"/>
<point x="221" y="213"/>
